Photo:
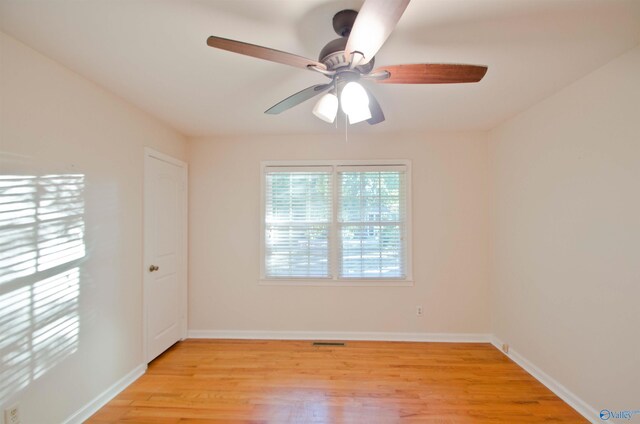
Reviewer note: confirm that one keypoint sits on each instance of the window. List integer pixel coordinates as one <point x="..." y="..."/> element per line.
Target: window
<point x="298" y="223"/>
<point x="336" y="222"/>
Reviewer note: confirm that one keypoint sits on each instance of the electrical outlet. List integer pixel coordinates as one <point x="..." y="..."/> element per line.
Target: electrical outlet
<point x="419" y="311"/>
<point x="12" y="415"/>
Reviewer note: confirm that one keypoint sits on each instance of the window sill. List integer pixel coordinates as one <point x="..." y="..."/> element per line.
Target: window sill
<point x="335" y="283"/>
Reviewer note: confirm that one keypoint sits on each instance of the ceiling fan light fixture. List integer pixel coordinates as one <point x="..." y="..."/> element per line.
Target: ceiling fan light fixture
<point x="327" y="107"/>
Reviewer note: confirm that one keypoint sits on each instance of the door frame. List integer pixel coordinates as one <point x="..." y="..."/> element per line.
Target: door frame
<point x="150" y="154"/>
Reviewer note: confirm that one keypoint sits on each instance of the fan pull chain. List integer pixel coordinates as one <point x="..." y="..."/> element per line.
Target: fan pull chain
<point x="335" y="91"/>
<point x="346" y="129"/>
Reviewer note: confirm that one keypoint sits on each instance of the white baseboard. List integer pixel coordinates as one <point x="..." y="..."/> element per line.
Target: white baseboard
<point x="341" y="335"/>
<point x="99" y="401"/>
<point x="586" y="410"/>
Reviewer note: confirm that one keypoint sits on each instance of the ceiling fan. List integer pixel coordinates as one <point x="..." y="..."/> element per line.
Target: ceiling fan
<point x="350" y="59"/>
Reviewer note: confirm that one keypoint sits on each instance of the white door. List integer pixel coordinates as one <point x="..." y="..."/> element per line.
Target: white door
<point x="165" y="251"/>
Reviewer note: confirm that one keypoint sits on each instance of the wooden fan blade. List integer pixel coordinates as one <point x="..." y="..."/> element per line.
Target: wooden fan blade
<point x="431" y="73"/>
<point x="377" y="115"/>
<point x="262" y="52"/>
<point x="376" y="20"/>
<point x="299" y="97"/>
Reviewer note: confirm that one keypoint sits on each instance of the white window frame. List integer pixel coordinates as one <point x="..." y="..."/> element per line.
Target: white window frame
<point x="407" y="281"/>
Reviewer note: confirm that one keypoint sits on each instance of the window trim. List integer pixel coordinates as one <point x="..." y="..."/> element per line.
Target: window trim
<point x="335" y="281"/>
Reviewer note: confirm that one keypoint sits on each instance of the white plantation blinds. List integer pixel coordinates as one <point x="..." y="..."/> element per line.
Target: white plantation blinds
<point x="338" y="222"/>
<point x="298" y="219"/>
<point x="371" y="221"/>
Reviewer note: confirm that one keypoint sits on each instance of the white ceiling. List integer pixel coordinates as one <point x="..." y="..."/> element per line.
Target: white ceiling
<point x="153" y="53"/>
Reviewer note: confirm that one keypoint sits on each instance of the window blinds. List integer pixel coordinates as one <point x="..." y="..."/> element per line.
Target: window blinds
<point x="298" y="217"/>
<point x="353" y="214"/>
<point x="371" y="221"/>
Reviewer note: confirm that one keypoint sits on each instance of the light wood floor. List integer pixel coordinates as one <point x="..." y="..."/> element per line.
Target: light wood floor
<point x="233" y="381"/>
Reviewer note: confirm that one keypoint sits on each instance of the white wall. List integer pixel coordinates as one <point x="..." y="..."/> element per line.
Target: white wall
<point x="450" y="238"/>
<point x="54" y="122"/>
<point x="565" y="179"/>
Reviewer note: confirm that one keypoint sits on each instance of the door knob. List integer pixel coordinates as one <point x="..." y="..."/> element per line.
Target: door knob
<point x="153" y="268"/>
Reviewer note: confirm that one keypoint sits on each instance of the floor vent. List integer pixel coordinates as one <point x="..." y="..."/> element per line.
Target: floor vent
<point x="328" y="343"/>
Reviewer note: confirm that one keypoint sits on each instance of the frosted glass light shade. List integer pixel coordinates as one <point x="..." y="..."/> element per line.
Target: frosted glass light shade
<point x="353" y="98"/>
<point x="355" y="102"/>
<point x="327" y="107"/>
<point x="359" y="115"/>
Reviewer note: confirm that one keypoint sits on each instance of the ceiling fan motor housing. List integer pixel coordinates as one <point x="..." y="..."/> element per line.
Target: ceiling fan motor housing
<point x="332" y="54"/>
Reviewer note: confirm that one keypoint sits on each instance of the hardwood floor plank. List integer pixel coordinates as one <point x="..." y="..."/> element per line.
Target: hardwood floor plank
<point x="265" y="381"/>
